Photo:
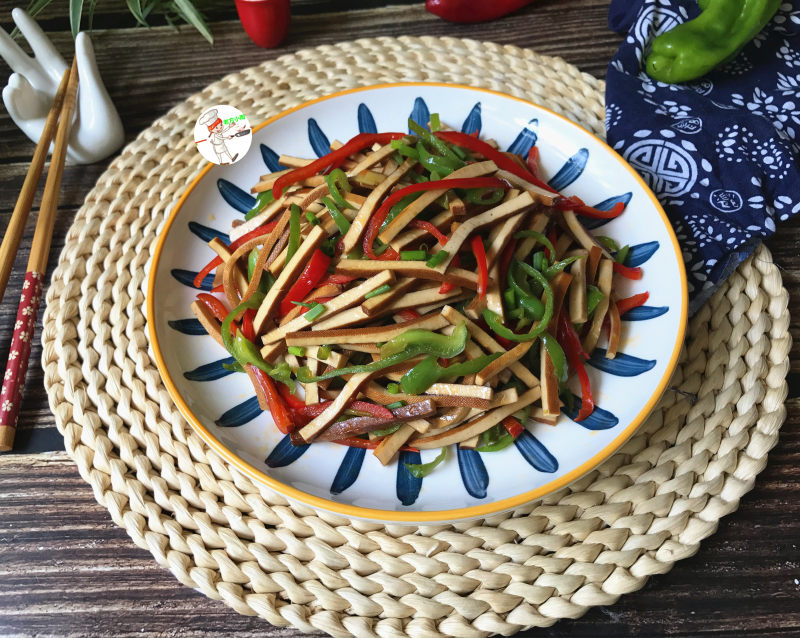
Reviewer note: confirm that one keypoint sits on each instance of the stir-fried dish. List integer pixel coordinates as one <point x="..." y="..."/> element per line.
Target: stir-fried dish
<point x="423" y="289"/>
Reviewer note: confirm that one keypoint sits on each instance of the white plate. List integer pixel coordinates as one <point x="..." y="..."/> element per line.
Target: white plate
<point x="224" y="411"/>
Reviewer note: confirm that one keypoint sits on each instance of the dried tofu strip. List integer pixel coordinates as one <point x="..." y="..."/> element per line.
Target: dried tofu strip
<point x="489" y="343"/>
<point x="559" y="284"/>
<point x="436" y="305"/>
<point x="467" y="402"/>
<point x="491" y="216"/>
<point x="394" y="227"/>
<point x="592" y="263"/>
<point x="539" y="194"/>
<point x="329" y="415"/>
<point x="353" y="235"/>
<point x="441" y="220"/>
<point x="614" y="328"/>
<point x="537" y="414"/>
<point x="538" y="223"/>
<point x="504" y="397"/>
<point x="470" y="444"/>
<point x="328" y="290"/>
<point x="502" y="362"/>
<point x="294" y="162"/>
<point x="349" y="317"/>
<point x="374" y="158"/>
<point x="500" y="235"/>
<point x="271" y="352"/>
<point x="368" y="348"/>
<point x="418" y="269"/>
<point x="562" y="245"/>
<point x="582" y="237"/>
<point x="370" y="334"/>
<point x="578" y="312"/>
<point x="390" y="446"/>
<point x="449" y="418"/>
<point x="311" y="389"/>
<point x="604" y="277"/>
<point x="225" y="254"/>
<point x="477" y="425"/>
<point x="550" y="402"/>
<point x="288" y="277"/>
<point x="208" y="321"/>
<point x="460" y="390"/>
<point x="377" y="393"/>
<point x="423" y="297"/>
<point x="374" y="305"/>
<point x="457" y="207"/>
<point x="342" y="302"/>
<point x="266" y="181"/>
<point x="259" y="220"/>
<point x="336" y="359"/>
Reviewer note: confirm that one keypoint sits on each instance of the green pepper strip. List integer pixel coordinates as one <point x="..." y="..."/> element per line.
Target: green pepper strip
<point x="386" y="431"/>
<point x="312" y="218"/>
<point x="304" y="374"/>
<point x="428" y="342"/>
<point x="502" y="443"/>
<point x="593" y="298"/>
<point x="262" y="200"/>
<point x="342" y="223"/>
<point x="398" y="208"/>
<point x="607" y="242"/>
<point x="692" y="49"/>
<point x="404" y="149"/>
<point x="557" y="356"/>
<point x="434" y="163"/>
<point x="484" y="196"/>
<point x="435" y="123"/>
<point x="434" y="142"/>
<point x="520" y="234"/>
<point x="539" y="261"/>
<point x="532" y="307"/>
<point x="496" y="323"/>
<point x="294" y="232"/>
<point x="552" y="271"/>
<point x="421" y="470"/>
<point x="428" y="371"/>
<point x="337" y="183"/>
<point x="622" y="254"/>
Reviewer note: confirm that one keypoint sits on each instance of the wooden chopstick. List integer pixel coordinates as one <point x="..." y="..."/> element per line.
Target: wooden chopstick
<point x="13" y="234"/>
<point x="17" y="366"/>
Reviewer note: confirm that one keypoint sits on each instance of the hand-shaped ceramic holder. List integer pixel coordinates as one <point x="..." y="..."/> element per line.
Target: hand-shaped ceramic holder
<point x="97" y="129"/>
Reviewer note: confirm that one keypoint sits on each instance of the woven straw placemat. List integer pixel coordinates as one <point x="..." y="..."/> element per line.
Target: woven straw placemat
<point x="648" y="506"/>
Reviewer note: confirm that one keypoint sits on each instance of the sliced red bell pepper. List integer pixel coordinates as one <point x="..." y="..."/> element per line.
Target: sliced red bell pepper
<point x="503" y="161"/>
<point x="446" y="285"/>
<point x="294" y="402"/>
<point x="334" y="278"/>
<point x="408" y="314"/>
<point x="483" y="269"/>
<point x="574" y="351"/>
<point x="512" y="426"/>
<point x="375" y="222"/>
<point x="627" y="271"/>
<point x="218" y="289"/>
<point x="216" y="307"/>
<point x="532" y="161"/>
<point x="248" y="330"/>
<point x="577" y="204"/>
<point x="354" y="441"/>
<point x="334" y="158"/>
<point x="312" y="273"/>
<point x="624" y="305"/>
<point x="430" y="228"/>
<point x="277" y="408"/>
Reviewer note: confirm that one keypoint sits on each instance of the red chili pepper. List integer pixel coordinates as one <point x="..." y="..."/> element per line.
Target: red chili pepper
<point x="472" y="11"/>
<point x="216" y="307"/>
<point x="624" y="305"/>
<point x="446" y="285"/>
<point x="503" y="161"/>
<point x="312" y="273"/>
<point x="248" y="330"/>
<point x="574" y="351"/>
<point x="334" y="279"/>
<point x="483" y="268"/>
<point x="265" y="21"/>
<point x="373" y="409"/>
<point x="512" y="426"/>
<point x="277" y="408"/>
<point x="627" y="271"/>
<point x="408" y="314"/>
<point x="218" y="289"/>
<point x="532" y="162"/>
<point x="577" y="204"/>
<point x="430" y="228"/>
<point x="505" y="260"/>
<point x="354" y="441"/>
<point x="375" y="222"/>
<point x="295" y="402"/>
<point x="358" y="143"/>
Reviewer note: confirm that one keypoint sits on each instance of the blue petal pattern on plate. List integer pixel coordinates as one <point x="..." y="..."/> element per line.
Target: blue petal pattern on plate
<point x="285" y="453"/>
<point x="535" y="453"/>
<point x="187" y="326"/>
<point x="186" y="277"/>
<point x="210" y="371"/>
<point x="526" y="139"/>
<point x="235" y="196"/>
<point x="207" y="234"/>
<point x="473" y="122"/>
<point x="600" y="419"/>
<point x="271" y="159"/>
<point x="318" y="140"/>
<point x="420" y="113"/>
<point x="640" y="253"/>
<point x="366" y="123"/>
<point x="407" y="486"/>
<point x="240" y="414"/>
<point x="606" y="204"/>
<point x="348" y="470"/>
<point x="473" y="472"/>
<point x="571" y="170"/>
<point x="623" y="365"/>
<point x="643" y="313"/>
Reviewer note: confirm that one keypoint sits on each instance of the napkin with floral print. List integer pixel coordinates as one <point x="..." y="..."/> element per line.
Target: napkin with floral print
<point x="720" y="153"/>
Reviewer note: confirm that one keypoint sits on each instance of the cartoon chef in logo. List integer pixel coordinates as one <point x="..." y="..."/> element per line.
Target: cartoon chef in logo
<point x="227" y="139"/>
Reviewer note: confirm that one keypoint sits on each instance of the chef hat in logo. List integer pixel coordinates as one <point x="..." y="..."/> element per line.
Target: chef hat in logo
<point x="210" y="119"/>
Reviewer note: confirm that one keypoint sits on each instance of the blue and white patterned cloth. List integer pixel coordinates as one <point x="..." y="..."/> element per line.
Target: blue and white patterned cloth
<point x="720" y="153"/>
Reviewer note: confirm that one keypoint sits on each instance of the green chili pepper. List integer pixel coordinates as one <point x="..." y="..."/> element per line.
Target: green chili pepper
<point x="484" y="195"/>
<point x="329" y="246"/>
<point x="413" y="255"/>
<point x="428" y="342"/>
<point x="378" y="291"/>
<point x="552" y="271"/>
<point x="356" y="253"/>
<point x="539" y="261"/>
<point x="607" y="243"/>
<point x="437" y="258"/>
<point x="342" y="223"/>
<point x="262" y="200"/>
<point x="312" y="218"/>
<point x="557" y="356"/>
<point x="692" y="49"/>
<point x="398" y="208"/>
<point x="323" y="353"/>
<point x="404" y="149"/>
<point x="496" y="323"/>
<point x="434" y="142"/>
<point x="297" y="351"/>
<point x="593" y="298"/>
<point x="393" y="388"/>
<point x="397" y="157"/>
<point x="509" y="298"/>
<point x="421" y="377"/>
<point x="435" y="124"/>
<point x="314" y="311"/>
<point x="395" y="405"/>
<point x="441" y="166"/>
<point x="421" y="470"/>
<point x="473" y="366"/>
<point x="539" y="237"/>
<point x="386" y="431"/>
<point x="531" y="305"/>
<point x="294" y="232"/>
<point x="622" y="254"/>
<point x="500" y="444"/>
<point x="337" y="183"/>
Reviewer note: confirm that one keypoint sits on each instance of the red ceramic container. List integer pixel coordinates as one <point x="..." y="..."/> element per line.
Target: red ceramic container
<point x="265" y="21"/>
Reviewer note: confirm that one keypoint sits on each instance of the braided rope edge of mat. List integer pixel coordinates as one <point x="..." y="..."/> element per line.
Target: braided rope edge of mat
<point x="645" y="508"/>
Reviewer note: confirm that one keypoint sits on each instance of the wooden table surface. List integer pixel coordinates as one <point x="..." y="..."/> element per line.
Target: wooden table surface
<point x="67" y="570"/>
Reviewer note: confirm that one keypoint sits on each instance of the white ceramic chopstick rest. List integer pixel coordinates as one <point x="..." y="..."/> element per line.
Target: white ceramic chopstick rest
<point x="97" y="130"/>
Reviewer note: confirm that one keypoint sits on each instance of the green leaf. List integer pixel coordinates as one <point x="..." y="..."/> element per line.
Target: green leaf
<point x="189" y="12"/>
<point x="75" y="12"/>
<point x="135" y="7"/>
<point x="90" y="14"/>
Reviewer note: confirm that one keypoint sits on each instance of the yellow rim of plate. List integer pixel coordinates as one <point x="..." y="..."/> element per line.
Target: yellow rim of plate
<point x="415" y="515"/>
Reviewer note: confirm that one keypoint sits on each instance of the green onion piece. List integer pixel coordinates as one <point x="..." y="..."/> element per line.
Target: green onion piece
<point x="378" y="291"/>
<point x="622" y="254"/>
<point x="395" y="405"/>
<point x="307" y="304"/>
<point x="421" y="470"/>
<point x="294" y="232"/>
<point x="342" y="223"/>
<point x="312" y="218"/>
<point x="329" y="246"/>
<point x="297" y="351"/>
<point x="593" y="297"/>
<point x="539" y="237"/>
<point x="315" y="311"/>
<point x="393" y="388"/>
<point x="413" y="255"/>
<point x="386" y="431"/>
<point x="437" y="258"/>
<point x="337" y="183"/>
<point x="435" y="124"/>
<point x="607" y="243"/>
<point x="324" y="352"/>
<point x="262" y="200"/>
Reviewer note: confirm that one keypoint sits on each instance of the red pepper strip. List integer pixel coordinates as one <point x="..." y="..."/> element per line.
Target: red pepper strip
<point x="277" y="408"/>
<point x="551" y="235"/>
<point x="483" y="268"/>
<point x="446" y="285"/>
<point x="295" y="402"/>
<point x="533" y="161"/>
<point x="312" y="273"/>
<point x="216" y="307"/>
<point x="334" y="279"/>
<point x="428" y="227"/>
<point x="505" y="261"/>
<point x="577" y="204"/>
<point x="354" y="441"/>
<point x="512" y="426"/>
<point x="408" y="314"/>
<point x="375" y="222"/>
<point x="503" y="162"/>
<point x="373" y="409"/>
<point x="624" y="305"/>
<point x="358" y="143"/>
<point x="198" y="280"/>
<point x="627" y="271"/>
<point x="220" y="288"/>
<point x="572" y="348"/>
<point x="248" y="330"/>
